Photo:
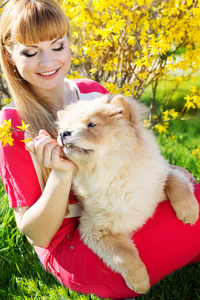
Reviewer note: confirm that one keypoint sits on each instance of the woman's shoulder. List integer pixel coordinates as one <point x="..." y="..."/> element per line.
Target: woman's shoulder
<point x="9" y="112"/>
<point x="86" y="86"/>
<point x="88" y="89"/>
<point x="9" y="109"/>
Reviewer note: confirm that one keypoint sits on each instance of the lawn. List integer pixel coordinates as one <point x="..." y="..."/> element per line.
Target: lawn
<point x="166" y="86"/>
<point x="22" y="277"/>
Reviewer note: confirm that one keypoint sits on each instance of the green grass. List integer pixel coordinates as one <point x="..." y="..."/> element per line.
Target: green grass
<point x="165" y="86"/>
<point x="178" y="145"/>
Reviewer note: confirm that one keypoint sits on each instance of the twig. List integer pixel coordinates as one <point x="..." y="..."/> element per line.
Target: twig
<point x="4" y="3"/>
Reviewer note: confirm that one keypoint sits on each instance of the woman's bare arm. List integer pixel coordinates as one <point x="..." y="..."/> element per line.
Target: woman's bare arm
<point x="41" y="221"/>
<point x="187" y="174"/>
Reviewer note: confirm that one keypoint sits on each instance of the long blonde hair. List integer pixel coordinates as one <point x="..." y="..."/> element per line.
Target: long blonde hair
<point x="28" y="22"/>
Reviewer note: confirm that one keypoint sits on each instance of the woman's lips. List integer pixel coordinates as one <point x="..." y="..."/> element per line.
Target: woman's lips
<point x="49" y="74"/>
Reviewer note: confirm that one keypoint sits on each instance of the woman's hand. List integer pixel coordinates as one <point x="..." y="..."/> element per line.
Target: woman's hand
<point x="187" y="174"/>
<point x="49" y="153"/>
<point x="41" y="221"/>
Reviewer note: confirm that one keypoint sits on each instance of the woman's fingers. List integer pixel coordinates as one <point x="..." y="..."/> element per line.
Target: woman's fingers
<point x="36" y="145"/>
<point x="30" y="146"/>
<point x="44" y="132"/>
<point x="43" y="148"/>
<point x="49" y="153"/>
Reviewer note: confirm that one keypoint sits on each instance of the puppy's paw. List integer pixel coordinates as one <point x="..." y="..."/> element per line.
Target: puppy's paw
<point x="188" y="211"/>
<point x="138" y="280"/>
<point x="141" y="287"/>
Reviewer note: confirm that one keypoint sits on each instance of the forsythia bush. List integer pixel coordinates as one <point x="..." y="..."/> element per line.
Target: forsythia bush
<point x="129" y="45"/>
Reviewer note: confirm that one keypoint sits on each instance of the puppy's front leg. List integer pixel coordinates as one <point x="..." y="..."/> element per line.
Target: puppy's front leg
<point x="180" y="193"/>
<point x="123" y="257"/>
<point x="119" y="253"/>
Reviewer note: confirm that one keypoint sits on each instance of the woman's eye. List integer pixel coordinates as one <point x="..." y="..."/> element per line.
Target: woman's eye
<point x="60" y="48"/>
<point x="29" y="55"/>
<point x="91" y="125"/>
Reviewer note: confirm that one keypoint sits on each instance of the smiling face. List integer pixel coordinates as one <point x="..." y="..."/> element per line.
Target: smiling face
<point x="35" y="40"/>
<point x="44" y="64"/>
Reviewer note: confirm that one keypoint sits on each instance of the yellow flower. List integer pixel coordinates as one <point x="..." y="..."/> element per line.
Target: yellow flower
<point x="7" y="139"/>
<point x="7" y="101"/>
<point x="24" y="126"/>
<point x="193" y="89"/>
<point x="173" y="113"/>
<point x="189" y="102"/>
<point x="171" y="137"/>
<point x="111" y="87"/>
<point x="179" y="79"/>
<point x="26" y="140"/>
<point x="196" y="152"/>
<point x="138" y="63"/>
<point x="166" y="115"/>
<point x="6" y="133"/>
<point x="169" y="113"/>
<point x="161" y="128"/>
<point x="6" y="125"/>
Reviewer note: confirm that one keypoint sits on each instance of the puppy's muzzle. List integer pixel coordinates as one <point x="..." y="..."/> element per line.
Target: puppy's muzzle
<point x="65" y="134"/>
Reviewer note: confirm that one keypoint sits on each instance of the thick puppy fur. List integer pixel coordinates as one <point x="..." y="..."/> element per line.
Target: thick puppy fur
<point x="120" y="178"/>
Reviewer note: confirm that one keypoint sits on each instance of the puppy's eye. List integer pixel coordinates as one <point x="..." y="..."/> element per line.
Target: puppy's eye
<point x="91" y="125"/>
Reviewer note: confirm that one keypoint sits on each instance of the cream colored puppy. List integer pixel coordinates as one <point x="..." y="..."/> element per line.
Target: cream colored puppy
<point x="120" y="178"/>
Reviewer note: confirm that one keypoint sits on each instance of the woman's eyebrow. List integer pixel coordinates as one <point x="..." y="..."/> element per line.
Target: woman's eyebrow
<point x="33" y="46"/>
<point x="53" y="42"/>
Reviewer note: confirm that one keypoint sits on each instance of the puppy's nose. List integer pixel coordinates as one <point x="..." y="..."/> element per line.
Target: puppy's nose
<point x="65" y="133"/>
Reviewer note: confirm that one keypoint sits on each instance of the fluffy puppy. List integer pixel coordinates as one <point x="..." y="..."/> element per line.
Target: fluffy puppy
<point x="120" y="178"/>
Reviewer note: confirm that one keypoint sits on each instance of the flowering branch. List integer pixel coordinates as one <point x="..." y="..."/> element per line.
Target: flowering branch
<point x="4" y="3"/>
<point x="132" y="46"/>
<point x="6" y="131"/>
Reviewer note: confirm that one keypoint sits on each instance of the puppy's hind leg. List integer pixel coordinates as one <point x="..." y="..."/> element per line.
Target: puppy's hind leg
<point x="180" y="193"/>
<point x="119" y="253"/>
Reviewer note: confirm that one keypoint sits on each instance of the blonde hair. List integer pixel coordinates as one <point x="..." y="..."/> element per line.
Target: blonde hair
<point x="28" y="22"/>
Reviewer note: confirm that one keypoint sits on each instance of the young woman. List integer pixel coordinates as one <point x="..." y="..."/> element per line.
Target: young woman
<point x="35" y="58"/>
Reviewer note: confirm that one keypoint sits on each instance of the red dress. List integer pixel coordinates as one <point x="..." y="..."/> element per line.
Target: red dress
<point x="164" y="243"/>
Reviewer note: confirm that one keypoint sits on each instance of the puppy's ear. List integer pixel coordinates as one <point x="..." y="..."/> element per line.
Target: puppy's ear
<point x="60" y="114"/>
<point x="134" y="111"/>
<point x="120" y="102"/>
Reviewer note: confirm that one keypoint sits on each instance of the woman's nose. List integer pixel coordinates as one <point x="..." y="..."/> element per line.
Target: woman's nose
<point x="46" y="59"/>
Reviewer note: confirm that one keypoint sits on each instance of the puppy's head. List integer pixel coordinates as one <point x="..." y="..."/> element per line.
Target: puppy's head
<point x="92" y="130"/>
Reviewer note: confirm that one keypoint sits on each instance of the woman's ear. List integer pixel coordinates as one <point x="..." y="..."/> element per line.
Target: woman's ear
<point x="8" y="56"/>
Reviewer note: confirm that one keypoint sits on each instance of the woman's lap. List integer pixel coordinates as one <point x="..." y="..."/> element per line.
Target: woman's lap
<point x="164" y="243"/>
